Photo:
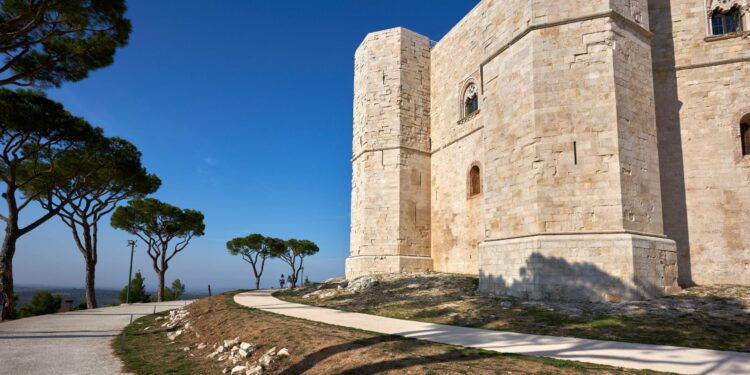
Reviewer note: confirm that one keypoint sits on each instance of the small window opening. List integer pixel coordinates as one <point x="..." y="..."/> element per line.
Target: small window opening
<point x="471" y="100"/>
<point x="475" y="182"/>
<point x="725" y="22"/>
<point x="575" y="153"/>
<point x="745" y="137"/>
<point x="472" y="104"/>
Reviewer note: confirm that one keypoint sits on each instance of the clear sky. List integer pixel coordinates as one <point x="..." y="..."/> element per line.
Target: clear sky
<point x="244" y="110"/>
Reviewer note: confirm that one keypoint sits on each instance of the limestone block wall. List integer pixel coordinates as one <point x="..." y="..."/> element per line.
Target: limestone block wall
<point x="576" y="160"/>
<point x="636" y="125"/>
<point x="702" y="90"/>
<point x="611" y="267"/>
<point x="391" y="163"/>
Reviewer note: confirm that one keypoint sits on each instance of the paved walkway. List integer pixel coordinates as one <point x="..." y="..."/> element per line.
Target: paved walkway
<point x="76" y="342"/>
<point x="638" y="356"/>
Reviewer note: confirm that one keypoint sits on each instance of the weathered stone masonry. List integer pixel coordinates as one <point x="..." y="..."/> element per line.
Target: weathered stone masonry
<point x="581" y="138"/>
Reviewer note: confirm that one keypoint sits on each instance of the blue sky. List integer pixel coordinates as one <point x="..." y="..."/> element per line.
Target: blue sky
<point x="244" y="110"/>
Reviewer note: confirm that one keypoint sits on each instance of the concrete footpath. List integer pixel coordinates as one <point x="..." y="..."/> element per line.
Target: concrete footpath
<point x="76" y="342"/>
<point x="637" y="356"/>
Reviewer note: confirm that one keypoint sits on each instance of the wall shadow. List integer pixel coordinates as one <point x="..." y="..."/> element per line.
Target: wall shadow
<point x="669" y="137"/>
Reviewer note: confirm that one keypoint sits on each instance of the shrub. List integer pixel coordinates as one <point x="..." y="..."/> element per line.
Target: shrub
<point x="43" y="302"/>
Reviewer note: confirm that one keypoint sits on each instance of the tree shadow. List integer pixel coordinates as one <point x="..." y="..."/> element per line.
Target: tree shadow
<point x="556" y="279"/>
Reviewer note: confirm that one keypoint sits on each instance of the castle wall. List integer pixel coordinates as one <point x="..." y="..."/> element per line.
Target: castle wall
<point x="391" y="163"/>
<point x="606" y="131"/>
<point x="702" y="90"/>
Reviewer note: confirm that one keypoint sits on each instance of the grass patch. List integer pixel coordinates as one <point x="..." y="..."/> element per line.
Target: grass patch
<point x="315" y="348"/>
<point x="704" y="317"/>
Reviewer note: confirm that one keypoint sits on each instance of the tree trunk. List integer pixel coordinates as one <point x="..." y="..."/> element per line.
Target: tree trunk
<point x="257" y="282"/>
<point x="6" y="268"/>
<point x="90" y="289"/>
<point x="160" y="288"/>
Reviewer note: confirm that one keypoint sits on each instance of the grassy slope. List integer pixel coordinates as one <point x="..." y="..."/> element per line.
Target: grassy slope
<point x="316" y="348"/>
<point x="717" y="322"/>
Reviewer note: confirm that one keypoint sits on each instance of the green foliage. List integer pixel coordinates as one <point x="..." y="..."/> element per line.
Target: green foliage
<point x="105" y="173"/>
<point x="36" y="137"/>
<point x="153" y="220"/>
<point x="137" y="290"/>
<point x="157" y="224"/>
<point x="256" y="249"/>
<point x="176" y="292"/>
<point x="47" y="42"/>
<point x="41" y="303"/>
<point x="307" y="281"/>
<point x="294" y="255"/>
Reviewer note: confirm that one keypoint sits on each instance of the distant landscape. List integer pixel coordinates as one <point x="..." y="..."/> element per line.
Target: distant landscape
<point x="105" y="297"/>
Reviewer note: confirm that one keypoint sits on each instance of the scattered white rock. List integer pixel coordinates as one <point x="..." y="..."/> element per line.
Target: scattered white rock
<point x="362" y="283"/>
<point x="173" y="335"/>
<point x="327" y="293"/>
<point x="238" y="369"/>
<point x="413" y="286"/>
<point x="257" y="370"/>
<point x="265" y="361"/>
<point x="201" y="346"/>
<point x="186" y="349"/>
<point x="232" y="342"/>
<point x="226" y="370"/>
<point x="247" y="346"/>
<point x="242" y="353"/>
<point x="284" y="352"/>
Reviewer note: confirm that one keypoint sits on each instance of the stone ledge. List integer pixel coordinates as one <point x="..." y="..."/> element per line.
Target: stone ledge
<point x="597" y="268"/>
<point x="362" y="265"/>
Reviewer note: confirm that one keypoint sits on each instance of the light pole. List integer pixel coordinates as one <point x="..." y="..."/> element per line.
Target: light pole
<point x="131" y="243"/>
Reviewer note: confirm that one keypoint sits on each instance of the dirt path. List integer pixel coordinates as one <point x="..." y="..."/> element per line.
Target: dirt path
<point x="76" y="342"/>
<point x="639" y="356"/>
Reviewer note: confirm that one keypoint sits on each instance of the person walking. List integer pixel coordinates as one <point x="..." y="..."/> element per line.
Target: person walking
<point x="4" y="301"/>
<point x="281" y="281"/>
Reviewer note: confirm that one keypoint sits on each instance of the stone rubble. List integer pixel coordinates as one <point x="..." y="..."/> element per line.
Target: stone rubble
<point x="237" y="354"/>
<point x="234" y="353"/>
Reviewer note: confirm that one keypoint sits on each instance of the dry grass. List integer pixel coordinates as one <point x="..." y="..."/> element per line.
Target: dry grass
<point x="701" y="317"/>
<point x="315" y="348"/>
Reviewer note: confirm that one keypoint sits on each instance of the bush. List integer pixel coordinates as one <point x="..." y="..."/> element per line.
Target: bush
<point x="137" y="290"/>
<point x="175" y="292"/>
<point x="43" y="302"/>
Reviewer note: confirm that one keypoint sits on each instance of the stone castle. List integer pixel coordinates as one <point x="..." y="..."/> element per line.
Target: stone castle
<point x="558" y="149"/>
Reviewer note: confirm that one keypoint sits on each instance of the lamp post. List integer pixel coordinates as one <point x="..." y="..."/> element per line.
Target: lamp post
<point x="131" y="243"/>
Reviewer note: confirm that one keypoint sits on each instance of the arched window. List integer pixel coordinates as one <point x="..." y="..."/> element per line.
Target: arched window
<point x="471" y="99"/>
<point x="745" y="135"/>
<point x="475" y="181"/>
<point x="726" y="21"/>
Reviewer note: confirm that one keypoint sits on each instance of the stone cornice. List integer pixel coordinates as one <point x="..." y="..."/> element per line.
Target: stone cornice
<point x="542" y="234"/>
<point x="704" y="65"/>
<point x="545" y="25"/>
<point x="388" y="148"/>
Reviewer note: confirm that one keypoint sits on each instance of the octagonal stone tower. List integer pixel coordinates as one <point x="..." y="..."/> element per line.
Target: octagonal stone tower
<point x="390" y="229"/>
